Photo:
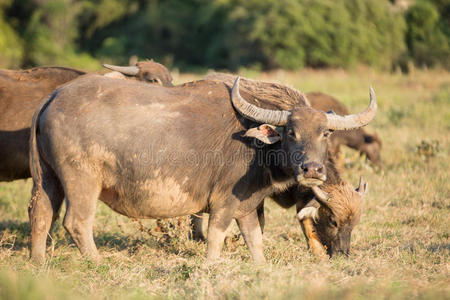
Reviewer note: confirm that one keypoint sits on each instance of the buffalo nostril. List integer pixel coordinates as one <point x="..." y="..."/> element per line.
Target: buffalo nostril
<point x="304" y="167"/>
<point x="320" y="169"/>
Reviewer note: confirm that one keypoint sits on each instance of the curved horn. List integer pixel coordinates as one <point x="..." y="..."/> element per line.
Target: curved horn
<point x="362" y="187"/>
<point x="349" y="122"/>
<point x="132" y="70"/>
<point x="255" y="113"/>
<point x="321" y="196"/>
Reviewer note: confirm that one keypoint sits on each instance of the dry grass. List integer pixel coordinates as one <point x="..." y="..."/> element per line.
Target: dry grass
<point x="400" y="250"/>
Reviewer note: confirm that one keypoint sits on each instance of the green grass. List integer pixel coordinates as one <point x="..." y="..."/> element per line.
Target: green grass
<point x="400" y="250"/>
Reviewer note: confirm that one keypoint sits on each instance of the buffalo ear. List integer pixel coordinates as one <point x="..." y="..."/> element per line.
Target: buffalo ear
<point x="363" y="187"/>
<point x="266" y="133"/>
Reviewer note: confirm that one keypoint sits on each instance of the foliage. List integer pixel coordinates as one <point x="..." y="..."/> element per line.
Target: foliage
<point x="427" y="149"/>
<point x="224" y="34"/>
<point x="11" y="48"/>
<point x="428" y="43"/>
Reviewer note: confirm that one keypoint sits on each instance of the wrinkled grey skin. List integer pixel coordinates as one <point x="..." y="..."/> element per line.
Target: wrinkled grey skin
<point x="127" y="144"/>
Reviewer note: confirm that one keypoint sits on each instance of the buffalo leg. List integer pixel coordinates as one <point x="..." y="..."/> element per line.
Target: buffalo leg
<point x="312" y="238"/>
<point x="219" y="220"/>
<point x="309" y="231"/>
<point x="79" y="219"/>
<point x="261" y="219"/>
<point x="43" y="210"/>
<point x="251" y="230"/>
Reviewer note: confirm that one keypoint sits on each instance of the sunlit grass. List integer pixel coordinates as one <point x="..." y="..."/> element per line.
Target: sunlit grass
<point x="400" y="250"/>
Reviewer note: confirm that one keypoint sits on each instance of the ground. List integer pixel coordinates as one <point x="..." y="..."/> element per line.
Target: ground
<point x="400" y="249"/>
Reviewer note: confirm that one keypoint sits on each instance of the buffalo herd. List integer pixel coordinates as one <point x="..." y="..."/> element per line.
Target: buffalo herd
<point x="150" y="149"/>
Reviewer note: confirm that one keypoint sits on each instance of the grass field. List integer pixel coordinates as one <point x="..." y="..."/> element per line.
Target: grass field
<point x="400" y="250"/>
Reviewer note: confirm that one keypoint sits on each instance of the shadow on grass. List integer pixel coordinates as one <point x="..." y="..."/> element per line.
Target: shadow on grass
<point x="14" y="234"/>
<point x="439" y="247"/>
<point x="117" y="241"/>
<point x="132" y="244"/>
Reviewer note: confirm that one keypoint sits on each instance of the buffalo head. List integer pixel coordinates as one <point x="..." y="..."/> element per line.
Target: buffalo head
<point x="330" y="224"/>
<point x="372" y="147"/>
<point x="302" y="132"/>
<point x="147" y="71"/>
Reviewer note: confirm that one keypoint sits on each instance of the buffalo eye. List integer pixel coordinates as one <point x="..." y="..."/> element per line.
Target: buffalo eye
<point x="291" y="133"/>
<point x="327" y="133"/>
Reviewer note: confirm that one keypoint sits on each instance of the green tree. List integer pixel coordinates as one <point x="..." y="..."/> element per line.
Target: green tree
<point x="427" y="43"/>
<point x="51" y="33"/>
<point x="11" y="45"/>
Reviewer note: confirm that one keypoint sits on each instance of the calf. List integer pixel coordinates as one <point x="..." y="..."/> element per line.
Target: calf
<point x="328" y="220"/>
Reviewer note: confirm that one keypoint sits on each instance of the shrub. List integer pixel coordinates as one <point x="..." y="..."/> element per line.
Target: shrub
<point x="11" y="49"/>
<point x="427" y="43"/>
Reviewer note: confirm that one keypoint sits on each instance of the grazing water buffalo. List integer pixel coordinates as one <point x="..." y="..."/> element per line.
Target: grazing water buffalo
<point x="327" y="215"/>
<point x="358" y="139"/>
<point x="20" y="94"/>
<point x="329" y="218"/>
<point x="157" y="152"/>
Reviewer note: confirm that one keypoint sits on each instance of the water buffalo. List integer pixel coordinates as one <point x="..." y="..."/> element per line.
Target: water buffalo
<point x="147" y="71"/>
<point x="328" y="220"/>
<point x="146" y="152"/>
<point x="346" y="202"/>
<point x="327" y="215"/>
<point x="20" y="94"/>
<point x="358" y="139"/>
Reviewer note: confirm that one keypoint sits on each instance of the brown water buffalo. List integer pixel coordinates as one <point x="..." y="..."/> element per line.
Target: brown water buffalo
<point x="20" y="94"/>
<point x="329" y="218"/>
<point x="327" y="215"/>
<point x="358" y="139"/>
<point x="147" y="71"/>
<point x="346" y="201"/>
<point x="157" y="152"/>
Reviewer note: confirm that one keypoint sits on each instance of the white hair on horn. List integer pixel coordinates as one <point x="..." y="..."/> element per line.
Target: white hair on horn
<point x="308" y="212"/>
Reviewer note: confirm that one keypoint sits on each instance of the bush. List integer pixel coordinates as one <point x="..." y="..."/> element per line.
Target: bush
<point x="225" y="34"/>
<point x="50" y="36"/>
<point x="11" y="49"/>
<point x="427" y="43"/>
